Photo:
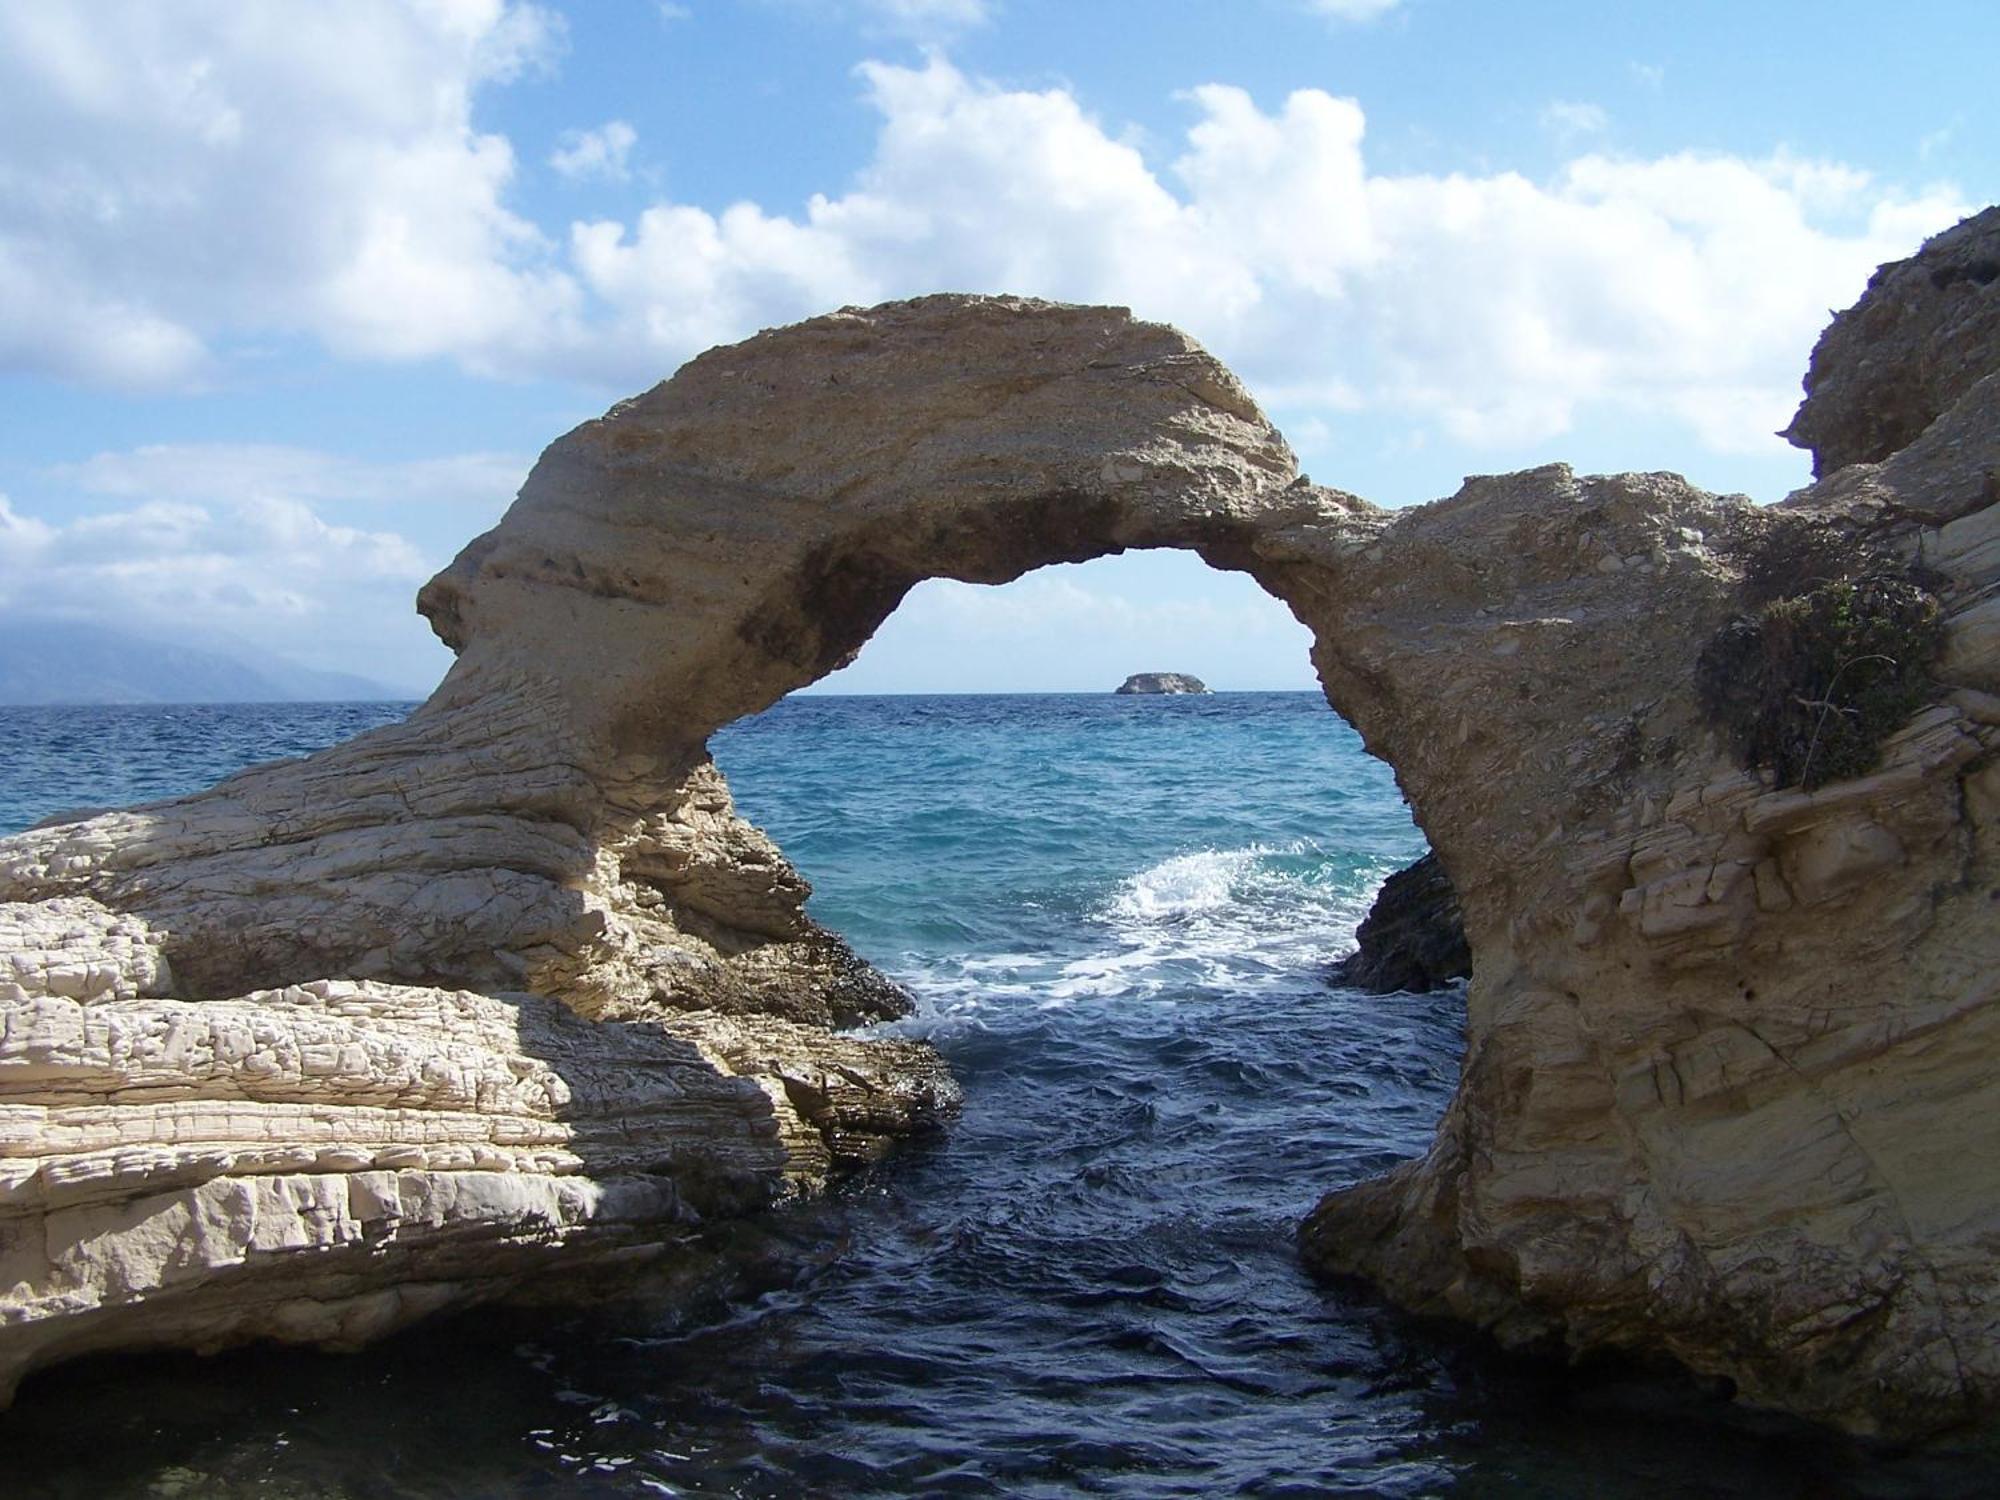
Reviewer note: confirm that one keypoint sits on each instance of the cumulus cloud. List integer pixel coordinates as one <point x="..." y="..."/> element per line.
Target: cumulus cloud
<point x="187" y="172"/>
<point x="603" y="152"/>
<point x="214" y="172"/>
<point x="212" y="544"/>
<point x="21" y="538"/>
<point x="253" y="564"/>
<point x="1493" y="305"/>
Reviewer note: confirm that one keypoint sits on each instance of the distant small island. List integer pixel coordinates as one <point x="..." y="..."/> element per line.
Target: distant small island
<point x="1162" y="682"/>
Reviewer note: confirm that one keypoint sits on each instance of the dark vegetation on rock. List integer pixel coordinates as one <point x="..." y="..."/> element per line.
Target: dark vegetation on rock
<point x="1413" y="937"/>
<point x="1835" y="654"/>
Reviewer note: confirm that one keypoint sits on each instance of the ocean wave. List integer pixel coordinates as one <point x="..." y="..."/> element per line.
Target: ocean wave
<point x="1257" y="917"/>
<point x="1184" y="885"/>
<point x="1258" y="898"/>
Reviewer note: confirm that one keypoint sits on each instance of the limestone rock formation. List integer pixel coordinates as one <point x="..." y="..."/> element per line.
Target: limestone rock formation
<point x="508" y="992"/>
<point x="1729" y="1087"/>
<point x="1927" y="332"/>
<point x="1413" y="937"/>
<point x="1160" y="682"/>
<point x="509" y="989"/>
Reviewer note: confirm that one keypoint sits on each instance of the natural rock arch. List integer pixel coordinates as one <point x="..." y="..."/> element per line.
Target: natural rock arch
<point x="1726" y="1091"/>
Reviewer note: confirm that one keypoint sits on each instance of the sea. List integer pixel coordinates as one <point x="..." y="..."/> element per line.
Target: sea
<point x="1117" y="917"/>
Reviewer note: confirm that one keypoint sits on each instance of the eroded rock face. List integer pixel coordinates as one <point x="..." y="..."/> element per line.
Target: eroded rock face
<point x="1728" y="1088"/>
<point x="1727" y="1091"/>
<point x="1927" y="332"/>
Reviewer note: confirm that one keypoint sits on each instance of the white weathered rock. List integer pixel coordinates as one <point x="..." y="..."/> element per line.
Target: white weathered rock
<point x="1728" y="1090"/>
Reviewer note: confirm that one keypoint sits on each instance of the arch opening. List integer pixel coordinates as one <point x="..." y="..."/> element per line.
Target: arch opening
<point x="961" y="668"/>
<point x="1118" y="914"/>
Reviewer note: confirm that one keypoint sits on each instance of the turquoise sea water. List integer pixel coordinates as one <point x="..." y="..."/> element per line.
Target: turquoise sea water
<point x="1116" y="915"/>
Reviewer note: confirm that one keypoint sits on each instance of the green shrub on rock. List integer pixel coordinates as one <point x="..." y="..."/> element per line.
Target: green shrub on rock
<point x="1811" y="683"/>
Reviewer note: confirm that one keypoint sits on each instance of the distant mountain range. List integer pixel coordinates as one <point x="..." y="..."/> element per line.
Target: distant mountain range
<point x="63" y="661"/>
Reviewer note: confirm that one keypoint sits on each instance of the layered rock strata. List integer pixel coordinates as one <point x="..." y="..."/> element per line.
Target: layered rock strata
<point x="508" y="992"/>
<point x="1729" y="1088"/>
<point x="509" y="988"/>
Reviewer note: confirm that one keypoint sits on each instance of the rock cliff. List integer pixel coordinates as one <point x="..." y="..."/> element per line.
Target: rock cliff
<point x="1728" y="1089"/>
<point x="508" y="992"/>
<point x="1925" y="334"/>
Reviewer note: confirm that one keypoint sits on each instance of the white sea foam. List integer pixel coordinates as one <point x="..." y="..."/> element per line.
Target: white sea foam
<point x="1184" y="885"/>
<point x="1249" y="918"/>
<point x="1258" y="917"/>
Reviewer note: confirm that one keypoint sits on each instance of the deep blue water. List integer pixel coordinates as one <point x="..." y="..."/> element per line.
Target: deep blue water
<point x="1116" y="915"/>
<point x="66" y="758"/>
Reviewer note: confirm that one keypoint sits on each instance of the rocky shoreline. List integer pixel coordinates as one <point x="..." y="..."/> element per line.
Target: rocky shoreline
<point x="507" y="995"/>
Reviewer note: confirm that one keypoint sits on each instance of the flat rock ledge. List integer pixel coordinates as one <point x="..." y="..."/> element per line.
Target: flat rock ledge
<point x="480" y="1001"/>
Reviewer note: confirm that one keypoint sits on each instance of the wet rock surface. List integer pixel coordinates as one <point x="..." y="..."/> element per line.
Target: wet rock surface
<point x="1413" y="938"/>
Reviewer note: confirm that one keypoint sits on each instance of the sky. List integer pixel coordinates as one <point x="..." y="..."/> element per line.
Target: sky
<point x="290" y="297"/>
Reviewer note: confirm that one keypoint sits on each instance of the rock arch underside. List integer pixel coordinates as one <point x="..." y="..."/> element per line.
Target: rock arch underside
<point x="505" y="997"/>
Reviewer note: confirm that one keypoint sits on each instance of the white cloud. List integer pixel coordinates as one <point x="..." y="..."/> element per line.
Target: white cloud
<point x="250" y="565"/>
<point x="1689" y="285"/>
<point x="210" y="173"/>
<point x="21" y="539"/>
<point x="1352" y="10"/>
<point x="1567" y="119"/>
<point x="603" y="152"/>
<point x="179" y="174"/>
<point x="213" y="544"/>
<point x="1649" y="76"/>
